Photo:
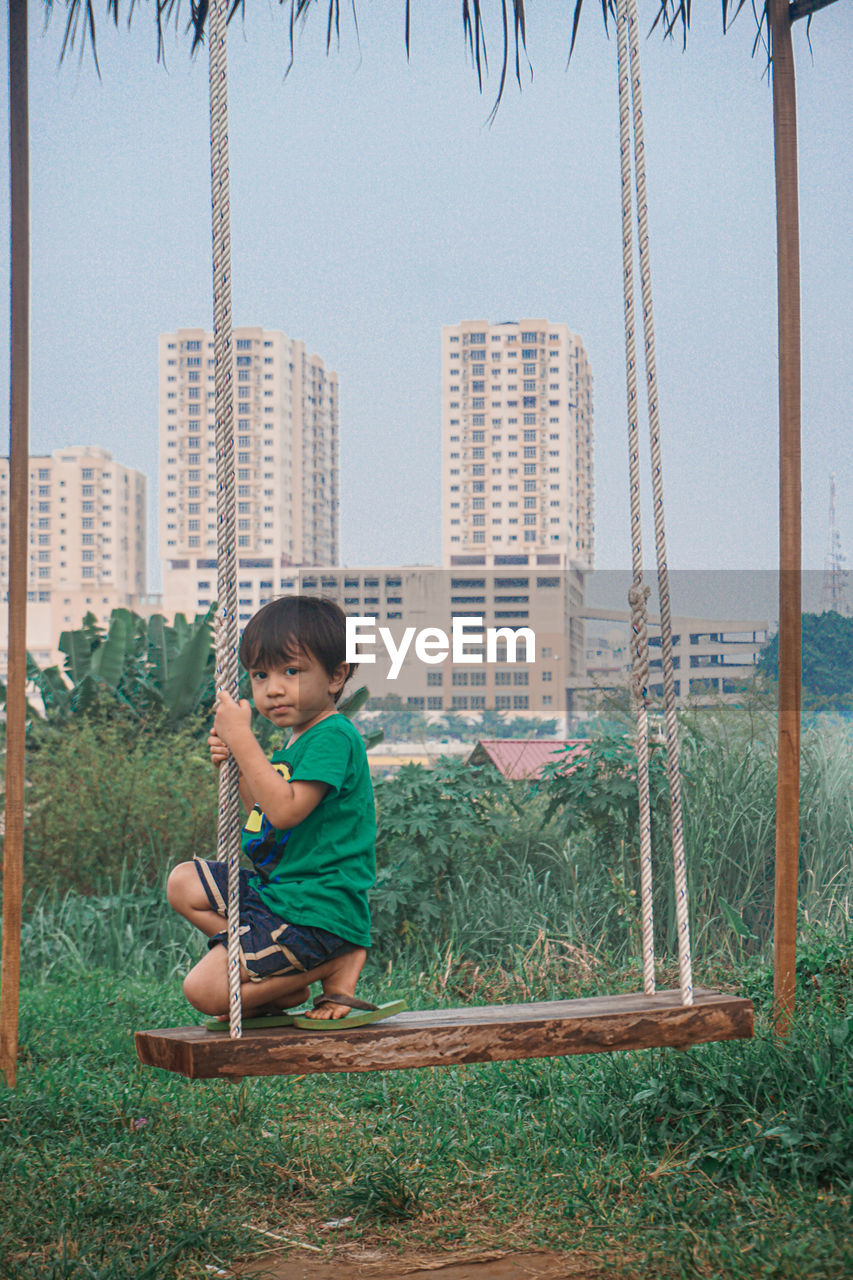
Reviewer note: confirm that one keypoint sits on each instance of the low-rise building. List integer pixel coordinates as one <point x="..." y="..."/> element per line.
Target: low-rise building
<point x="713" y="658"/>
<point x="518" y="634"/>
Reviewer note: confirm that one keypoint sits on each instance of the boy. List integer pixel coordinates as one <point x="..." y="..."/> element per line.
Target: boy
<point x="311" y="829"/>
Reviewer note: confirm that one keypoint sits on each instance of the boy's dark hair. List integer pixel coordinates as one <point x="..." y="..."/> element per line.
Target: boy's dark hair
<point x="285" y="627"/>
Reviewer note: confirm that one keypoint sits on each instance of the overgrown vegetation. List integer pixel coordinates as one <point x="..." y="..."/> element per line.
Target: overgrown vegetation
<point x="730" y="1160"/>
<point x="511" y="860"/>
<point x="101" y="797"/>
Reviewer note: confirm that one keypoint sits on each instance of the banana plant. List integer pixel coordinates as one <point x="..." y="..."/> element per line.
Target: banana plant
<point x="146" y="666"/>
<point x="350" y="708"/>
<point x="143" y="665"/>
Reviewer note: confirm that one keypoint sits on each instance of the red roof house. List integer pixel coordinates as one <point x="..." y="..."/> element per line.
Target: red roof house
<point x="525" y="757"/>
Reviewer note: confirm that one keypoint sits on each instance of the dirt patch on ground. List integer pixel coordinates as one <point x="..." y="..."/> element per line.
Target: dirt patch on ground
<point x="380" y="1265"/>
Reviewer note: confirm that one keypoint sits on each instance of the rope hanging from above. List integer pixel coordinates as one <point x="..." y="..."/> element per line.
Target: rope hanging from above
<point x="628" y="54"/>
<point x="228" y="841"/>
<point x="639" y="593"/>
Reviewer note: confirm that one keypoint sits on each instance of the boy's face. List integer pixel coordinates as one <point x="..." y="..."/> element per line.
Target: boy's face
<point x="296" y="694"/>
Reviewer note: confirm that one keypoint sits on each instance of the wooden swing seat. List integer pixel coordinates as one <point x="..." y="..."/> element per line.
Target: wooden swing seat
<point x="446" y="1037"/>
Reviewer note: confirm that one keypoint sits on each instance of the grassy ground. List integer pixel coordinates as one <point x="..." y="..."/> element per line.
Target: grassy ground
<point x="729" y="1160"/>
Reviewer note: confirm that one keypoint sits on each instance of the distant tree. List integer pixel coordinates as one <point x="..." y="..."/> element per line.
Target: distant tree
<point x="827" y="660"/>
<point x="491" y="724"/>
<point x="455" y="726"/>
<point x="397" y="721"/>
<point x="529" y="727"/>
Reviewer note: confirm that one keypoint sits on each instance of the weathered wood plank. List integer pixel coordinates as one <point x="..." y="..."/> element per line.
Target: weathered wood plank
<point x="442" y="1037"/>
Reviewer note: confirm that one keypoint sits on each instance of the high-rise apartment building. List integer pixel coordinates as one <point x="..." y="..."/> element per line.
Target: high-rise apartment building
<point x="286" y="414"/>
<point x="87" y="518"/>
<point x="517" y="445"/>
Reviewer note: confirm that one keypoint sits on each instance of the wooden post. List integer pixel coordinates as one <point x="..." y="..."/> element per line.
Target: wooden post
<point x="13" y="842"/>
<point x="790" y="591"/>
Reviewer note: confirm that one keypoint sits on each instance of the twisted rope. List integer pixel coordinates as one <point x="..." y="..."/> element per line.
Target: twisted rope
<point x="228" y="840"/>
<point x="639" y="593"/>
<point x="628" y="19"/>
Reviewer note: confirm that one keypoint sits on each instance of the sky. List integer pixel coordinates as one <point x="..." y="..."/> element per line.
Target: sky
<point x="372" y="202"/>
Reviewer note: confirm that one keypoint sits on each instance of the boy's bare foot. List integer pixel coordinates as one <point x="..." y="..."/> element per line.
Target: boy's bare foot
<point x="340" y="980"/>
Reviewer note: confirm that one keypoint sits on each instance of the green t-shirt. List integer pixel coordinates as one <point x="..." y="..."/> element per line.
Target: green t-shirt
<point x="319" y="872"/>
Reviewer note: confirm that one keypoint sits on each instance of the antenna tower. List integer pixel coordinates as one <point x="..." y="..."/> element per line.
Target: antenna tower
<point x="835" y="576"/>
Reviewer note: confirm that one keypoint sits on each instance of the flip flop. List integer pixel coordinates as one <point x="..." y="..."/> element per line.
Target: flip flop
<point x="264" y="1020"/>
<point x="368" y="1013"/>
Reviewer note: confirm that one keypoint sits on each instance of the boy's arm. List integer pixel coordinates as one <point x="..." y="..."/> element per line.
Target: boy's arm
<point x="219" y="754"/>
<point x="246" y="795"/>
<point x="285" y="804"/>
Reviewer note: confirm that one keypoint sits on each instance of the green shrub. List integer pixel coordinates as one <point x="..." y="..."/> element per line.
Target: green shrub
<point x="433" y="824"/>
<point x="104" y="795"/>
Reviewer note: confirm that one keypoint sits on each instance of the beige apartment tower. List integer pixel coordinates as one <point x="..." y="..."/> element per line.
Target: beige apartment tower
<point x="517" y="445"/>
<point x="86" y="545"/>
<point x="286" y="414"/>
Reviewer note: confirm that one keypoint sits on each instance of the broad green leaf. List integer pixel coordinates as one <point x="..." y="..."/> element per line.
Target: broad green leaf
<point x="149" y="689"/>
<point x="351" y="706"/>
<point x="158" y="653"/>
<point x="108" y="659"/>
<point x="84" y="694"/>
<point x="188" y="672"/>
<point x="735" y="920"/>
<point x="55" y="693"/>
<point x="92" y="630"/>
<point x="77" y="647"/>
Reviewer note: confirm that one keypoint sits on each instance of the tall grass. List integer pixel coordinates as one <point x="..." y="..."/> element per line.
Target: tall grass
<point x="131" y="930"/>
<point x="493" y="870"/>
<point x="729" y="771"/>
